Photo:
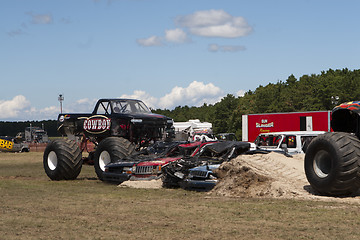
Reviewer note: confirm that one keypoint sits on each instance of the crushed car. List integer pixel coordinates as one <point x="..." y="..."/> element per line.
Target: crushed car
<point x="227" y="136"/>
<point x="196" y="173"/>
<point x="147" y="164"/>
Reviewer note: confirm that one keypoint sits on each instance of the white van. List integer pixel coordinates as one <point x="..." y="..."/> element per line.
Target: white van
<point x="288" y="142"/>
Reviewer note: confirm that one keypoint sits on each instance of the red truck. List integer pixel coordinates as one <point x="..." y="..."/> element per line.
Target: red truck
<point x="255" y="124"/>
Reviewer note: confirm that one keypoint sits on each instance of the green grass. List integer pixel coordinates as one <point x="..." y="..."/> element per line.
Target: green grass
<point x="33" y="207"/>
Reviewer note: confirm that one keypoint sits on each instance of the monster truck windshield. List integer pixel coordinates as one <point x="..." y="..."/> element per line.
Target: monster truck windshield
<point x="129" y="106"/>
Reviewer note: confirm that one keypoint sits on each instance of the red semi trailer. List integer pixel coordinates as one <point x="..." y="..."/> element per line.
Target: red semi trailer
<point x="254" y="124"/>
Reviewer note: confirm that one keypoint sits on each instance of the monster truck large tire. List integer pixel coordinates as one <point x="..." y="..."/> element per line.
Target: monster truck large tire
<point x="110" y="150"/>
<point x="62" y="160"/>
<point x="332" y="164"/>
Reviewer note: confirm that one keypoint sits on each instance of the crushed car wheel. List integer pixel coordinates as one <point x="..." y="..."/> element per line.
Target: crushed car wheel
<point x="62" y="160"/>
<point x="332" y="164"/>
<point x="110" y="150"/>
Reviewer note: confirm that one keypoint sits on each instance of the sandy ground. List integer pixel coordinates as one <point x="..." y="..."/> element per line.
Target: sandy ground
<point x="150" y="184"/>
<point x="270" y="175"/>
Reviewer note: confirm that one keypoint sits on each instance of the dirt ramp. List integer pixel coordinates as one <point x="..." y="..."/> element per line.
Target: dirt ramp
<point x="237" y="179"/>
<point x="262" y="175"/>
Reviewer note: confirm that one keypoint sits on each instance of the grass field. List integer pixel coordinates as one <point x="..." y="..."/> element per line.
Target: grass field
<point x="33" y="207"/>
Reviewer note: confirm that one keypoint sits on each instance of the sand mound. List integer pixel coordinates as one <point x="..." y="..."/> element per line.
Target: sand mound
<point x="150" y="184"/>
<point x="270" y="175"/>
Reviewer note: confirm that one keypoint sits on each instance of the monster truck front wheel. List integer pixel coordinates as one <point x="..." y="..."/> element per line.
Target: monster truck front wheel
<point x="332" y="164"/>
<point x="110" y="150"/>
<point x="62" y="160"/>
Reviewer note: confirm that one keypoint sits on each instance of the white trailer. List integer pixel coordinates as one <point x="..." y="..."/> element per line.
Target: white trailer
<point x="193" y="130"/>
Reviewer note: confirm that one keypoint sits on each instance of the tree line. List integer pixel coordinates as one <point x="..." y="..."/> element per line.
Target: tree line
<point x="313" y="92"/>
<point x="13" y="128"/>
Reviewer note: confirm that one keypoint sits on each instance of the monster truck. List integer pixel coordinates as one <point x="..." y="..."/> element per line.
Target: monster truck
<point x="332" y="160"/>
<point x="117" y="127"/>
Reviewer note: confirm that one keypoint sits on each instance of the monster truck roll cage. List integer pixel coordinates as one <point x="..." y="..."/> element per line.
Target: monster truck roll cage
<point x="346" y="118"/>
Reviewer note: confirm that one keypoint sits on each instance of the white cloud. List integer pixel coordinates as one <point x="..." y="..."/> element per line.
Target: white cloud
<point x="150" y="101"/>
<point x="33" y="113"/>
<point x="228" y="48"/>
<point x="225" y="48"/>
<point x="84" y="105"/>
<point x="35" y="19"/>
<point x="151" y="41"/>
<point x="45" y="113"/>
<point x="176" y="35"/>
<point x="40" y="18"/>
<point x="195" y="94"/>
<point x="207" y="23"/>
<point x="215" y="23"/>
<point x="240" y="93"/>
<point x="65" y="20"/>
<point x="14" y="107"/>
<point x="20" y="109"/>
<point x="213" y="47"/>
<point x="204" y="18"/>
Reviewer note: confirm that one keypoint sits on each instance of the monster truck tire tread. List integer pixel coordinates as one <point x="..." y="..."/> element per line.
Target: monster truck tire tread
<point x="69" y="160"/>
<point x="117" y="147"/>
<point x="341" y="154"/>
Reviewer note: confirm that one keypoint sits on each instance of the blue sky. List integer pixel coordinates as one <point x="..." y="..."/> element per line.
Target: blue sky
<point x="166" y="52"/>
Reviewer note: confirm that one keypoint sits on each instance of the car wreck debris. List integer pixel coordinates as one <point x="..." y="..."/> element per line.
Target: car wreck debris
<point x="197" y="172"/>
<point x="147" y="164"/>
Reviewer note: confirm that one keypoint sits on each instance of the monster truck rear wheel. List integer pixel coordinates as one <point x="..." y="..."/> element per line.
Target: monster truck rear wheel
<point x="332" y="164"/>
<point x="110" y="150"/>
<point x="62" y="160"/>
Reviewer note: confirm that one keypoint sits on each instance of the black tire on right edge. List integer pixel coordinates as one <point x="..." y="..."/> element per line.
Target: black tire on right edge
<point x="62" y="160"/>
<point x="110" y="150"/>
<point x="332" y="164"/>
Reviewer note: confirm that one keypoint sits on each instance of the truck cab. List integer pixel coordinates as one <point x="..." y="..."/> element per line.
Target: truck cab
<point x="127" y="118"/>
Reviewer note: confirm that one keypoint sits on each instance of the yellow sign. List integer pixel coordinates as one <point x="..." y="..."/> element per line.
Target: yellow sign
<point x="5" y="144"/>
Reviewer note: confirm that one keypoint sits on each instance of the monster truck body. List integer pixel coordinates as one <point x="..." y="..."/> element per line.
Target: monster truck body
<point x="117" y="127"/>
<point x="332" y="160"/>
<point x="127" y="118"/>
